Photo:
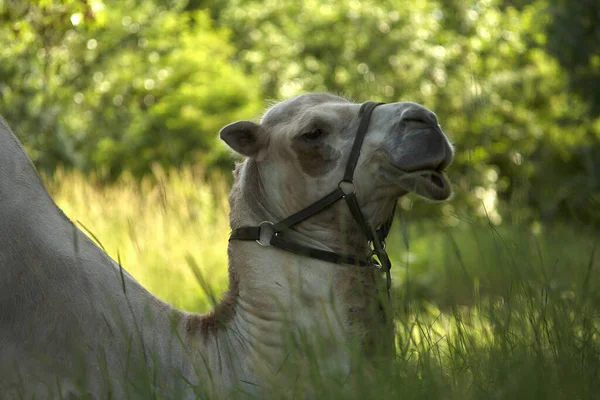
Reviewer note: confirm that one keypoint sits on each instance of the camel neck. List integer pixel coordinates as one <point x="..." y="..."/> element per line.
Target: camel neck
<point x="279" y="301"/>
<point x="276" y="306"/>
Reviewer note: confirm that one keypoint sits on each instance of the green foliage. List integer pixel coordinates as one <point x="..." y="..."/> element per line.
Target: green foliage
<point x="573" y="37"/>
<point x="119" y="85"/>
<point x="480" y="65"/>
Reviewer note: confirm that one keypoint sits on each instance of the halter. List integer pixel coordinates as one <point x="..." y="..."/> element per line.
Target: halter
<point x="273" y="234"/>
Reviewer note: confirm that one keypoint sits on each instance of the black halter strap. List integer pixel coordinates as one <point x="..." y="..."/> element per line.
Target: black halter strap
<point x="274" y="234"/>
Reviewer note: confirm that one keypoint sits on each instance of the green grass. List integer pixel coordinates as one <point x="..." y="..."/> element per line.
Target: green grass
<point x="153" y="227"/>
<point x="482" y="312"/>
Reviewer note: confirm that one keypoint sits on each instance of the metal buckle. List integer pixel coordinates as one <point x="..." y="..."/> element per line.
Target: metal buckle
<point x="383" y="260"/>
<point x="266" y="233"/>
<point x="376" y="264"/>
<point x="374" y="250"/>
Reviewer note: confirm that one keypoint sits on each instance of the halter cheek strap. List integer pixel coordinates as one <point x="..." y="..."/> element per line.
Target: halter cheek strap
<point x="274" y="234"/>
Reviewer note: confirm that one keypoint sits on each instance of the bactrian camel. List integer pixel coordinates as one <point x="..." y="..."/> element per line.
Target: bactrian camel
<point x="73" y="322"/>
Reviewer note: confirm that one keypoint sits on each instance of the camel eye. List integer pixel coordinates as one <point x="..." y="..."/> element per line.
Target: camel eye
<point x="314" y="134"/>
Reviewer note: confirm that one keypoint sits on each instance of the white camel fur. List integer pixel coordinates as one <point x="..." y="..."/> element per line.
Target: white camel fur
<point x="72" y="321"/>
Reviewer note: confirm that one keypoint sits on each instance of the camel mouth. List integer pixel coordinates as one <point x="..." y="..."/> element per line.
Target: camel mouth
<point x="431" y="184"/>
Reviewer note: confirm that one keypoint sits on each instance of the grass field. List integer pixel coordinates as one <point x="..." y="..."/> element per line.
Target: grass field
<point x="482" y="312"/>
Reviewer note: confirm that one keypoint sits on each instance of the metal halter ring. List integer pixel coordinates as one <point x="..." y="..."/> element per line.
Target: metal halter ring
<point x="266" y="233"/>
<point x="347" y="187"/>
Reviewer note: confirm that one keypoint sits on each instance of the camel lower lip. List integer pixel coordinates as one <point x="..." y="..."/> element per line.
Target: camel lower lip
<point x="432" y="185"/>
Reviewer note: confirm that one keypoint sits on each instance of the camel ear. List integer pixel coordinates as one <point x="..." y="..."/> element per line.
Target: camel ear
<point x="245" y="137"/>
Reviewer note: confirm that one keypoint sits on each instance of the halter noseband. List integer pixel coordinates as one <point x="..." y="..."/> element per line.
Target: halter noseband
<point x="273" y="234"/>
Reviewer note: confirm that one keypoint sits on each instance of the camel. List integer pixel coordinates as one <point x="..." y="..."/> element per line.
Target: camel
<point x="74" y="323"/>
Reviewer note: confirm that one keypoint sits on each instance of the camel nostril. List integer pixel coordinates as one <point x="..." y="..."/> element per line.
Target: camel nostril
<point x="416" y="122"/>
<point x="419" y="120"/>
<point x="419" y="115"/>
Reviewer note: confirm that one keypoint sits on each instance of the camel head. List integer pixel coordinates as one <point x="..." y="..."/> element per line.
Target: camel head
<point x="298" y="153"/>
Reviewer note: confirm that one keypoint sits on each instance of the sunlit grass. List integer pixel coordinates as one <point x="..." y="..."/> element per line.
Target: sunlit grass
<point x="481" y="311"/>
<point x="153" y="226"/>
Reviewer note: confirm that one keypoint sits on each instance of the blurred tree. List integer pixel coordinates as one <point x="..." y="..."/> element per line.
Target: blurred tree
<point x="481" y="65"/>
<point x="118" y="85"/>
<point x="121" y="85"/>
<point x="573" y="36"/>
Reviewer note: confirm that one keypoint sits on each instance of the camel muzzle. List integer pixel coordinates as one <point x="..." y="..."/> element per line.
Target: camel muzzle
<point x="421" y="155"/>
